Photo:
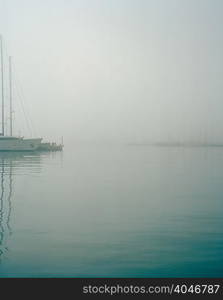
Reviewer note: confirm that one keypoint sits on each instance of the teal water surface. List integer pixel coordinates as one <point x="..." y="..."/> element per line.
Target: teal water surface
<point x="112" y="211"/>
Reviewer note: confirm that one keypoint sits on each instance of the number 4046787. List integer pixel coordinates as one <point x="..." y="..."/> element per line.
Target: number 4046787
<point x="197" y="289"/>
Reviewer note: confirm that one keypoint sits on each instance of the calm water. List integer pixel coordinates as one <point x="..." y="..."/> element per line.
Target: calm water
<point x="120" y="211"/>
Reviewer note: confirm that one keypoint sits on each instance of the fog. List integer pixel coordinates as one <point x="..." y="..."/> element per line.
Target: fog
<point x="118" y="70"/>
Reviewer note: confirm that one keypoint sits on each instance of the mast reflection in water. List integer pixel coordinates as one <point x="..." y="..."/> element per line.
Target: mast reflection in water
<point x="9" y="163"/>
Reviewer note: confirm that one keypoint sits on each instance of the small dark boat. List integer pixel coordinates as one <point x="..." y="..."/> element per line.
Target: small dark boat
<point x="50" y="147"/>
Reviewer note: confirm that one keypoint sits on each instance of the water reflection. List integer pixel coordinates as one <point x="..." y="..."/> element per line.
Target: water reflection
<point x="112" y="212"/>
<point x="12" y="164"/>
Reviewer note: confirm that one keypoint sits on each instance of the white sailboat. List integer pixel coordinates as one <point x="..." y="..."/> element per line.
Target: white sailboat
<point x="12" y="143"/>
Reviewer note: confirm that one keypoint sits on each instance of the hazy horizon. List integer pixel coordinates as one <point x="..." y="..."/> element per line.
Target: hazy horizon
<point x="120" y="70"/>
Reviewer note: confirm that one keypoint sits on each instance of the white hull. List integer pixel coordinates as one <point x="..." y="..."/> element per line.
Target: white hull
<point x="18" y="144"/>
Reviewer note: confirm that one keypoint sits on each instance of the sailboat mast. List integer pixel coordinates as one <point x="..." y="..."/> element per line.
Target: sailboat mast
<point x="2" y="73"/>
<point x="10" y="92"/>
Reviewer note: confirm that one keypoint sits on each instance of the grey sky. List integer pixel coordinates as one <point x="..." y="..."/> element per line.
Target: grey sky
<point x="119" y="70"/>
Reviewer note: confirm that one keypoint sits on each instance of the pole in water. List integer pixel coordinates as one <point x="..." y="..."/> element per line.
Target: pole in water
<point x="2" y="73"/>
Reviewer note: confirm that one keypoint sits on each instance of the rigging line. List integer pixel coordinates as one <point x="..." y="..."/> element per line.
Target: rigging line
<point x="18" y="121"/>
<point x="21" y="120"/>
<point x="20" y="93"/>
<point x="23" y="109"/>
<point x="6" y="94"/>
<point x="23" y="98"/>
<point x="29" y="127"/>
<point x="2" y="83"/>
<point x="29" y="121"/>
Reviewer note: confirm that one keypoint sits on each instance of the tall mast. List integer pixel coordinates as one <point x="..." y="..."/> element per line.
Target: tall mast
<point x="2" y="73"/>
<point x="10" y="92"/>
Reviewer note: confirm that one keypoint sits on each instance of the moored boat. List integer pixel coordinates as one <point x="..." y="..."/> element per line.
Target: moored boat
<point x="50" y="147"/>
<point x="11" y="142"/>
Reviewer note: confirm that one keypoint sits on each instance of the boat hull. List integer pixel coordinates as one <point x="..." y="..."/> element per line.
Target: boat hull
<point x="19" y="144"/>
